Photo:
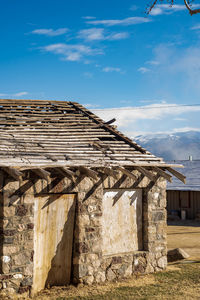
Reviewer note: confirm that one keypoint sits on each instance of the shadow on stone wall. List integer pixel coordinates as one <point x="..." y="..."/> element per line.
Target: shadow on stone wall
<point x="2" y="238"/>
<point x="61" y="267"/>
<point x="1" y="233"/>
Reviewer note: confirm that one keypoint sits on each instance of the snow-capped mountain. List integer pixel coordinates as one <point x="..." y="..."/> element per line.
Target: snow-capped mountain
<point x="176" y="146"/>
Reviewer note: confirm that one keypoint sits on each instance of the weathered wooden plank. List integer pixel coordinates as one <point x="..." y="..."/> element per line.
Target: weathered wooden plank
<point x="14" y="173"/>
<point x="66" y="172"/>
<point x="180" y="176"/>
<point x="163" y="174"/>
<point x="41" y="131"/>
<point x="127" y="173"/>
<point x="42" y="173"/>
<point x="145" y="172"/>
<point x="88" y="172"/>
<point x="110" y="172"/>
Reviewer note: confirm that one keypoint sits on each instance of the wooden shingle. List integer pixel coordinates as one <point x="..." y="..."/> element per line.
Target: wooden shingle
<point x="37" y="133"/>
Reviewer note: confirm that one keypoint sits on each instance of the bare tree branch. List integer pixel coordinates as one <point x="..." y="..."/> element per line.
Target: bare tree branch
<point x="187" y="4"/>
<point x="191" y="11"/>
<point x="152" y="6"/>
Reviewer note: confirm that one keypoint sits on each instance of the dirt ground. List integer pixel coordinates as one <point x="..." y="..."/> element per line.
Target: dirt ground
<point x="185" y="235"/>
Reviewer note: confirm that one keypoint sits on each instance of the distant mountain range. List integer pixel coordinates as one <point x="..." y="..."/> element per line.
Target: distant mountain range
<point x="176" y="146"/>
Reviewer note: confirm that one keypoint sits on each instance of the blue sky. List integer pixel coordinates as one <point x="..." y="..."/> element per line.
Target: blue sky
<point x="106" y="55"/>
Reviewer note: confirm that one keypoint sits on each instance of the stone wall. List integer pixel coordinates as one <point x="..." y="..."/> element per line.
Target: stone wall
<point x="89" y="263"/>
<point x="16" y="238"/>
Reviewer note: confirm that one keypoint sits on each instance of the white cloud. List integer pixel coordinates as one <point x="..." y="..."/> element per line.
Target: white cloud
<point x="50" y="32"/>
<point x="180" y="119"/>
<point x="19" y="94"/>
<point x="123" y="22"/>
<point x="137" y="133"/>
<point x="143" y="70"/>
<point x="111" y="69"/>
<point x="118" y="36"/>
<point x="196" y="27"/>
<point x="71" y="52"/>
<point x="185" y="129"/>
<point x="127" y="116"/>
<point x="88" y="18"/>
<point x="151" y="101"/>
<point x="89" y="105"/>
<point x="164" y="9"/>
<point x="94" y="34"/>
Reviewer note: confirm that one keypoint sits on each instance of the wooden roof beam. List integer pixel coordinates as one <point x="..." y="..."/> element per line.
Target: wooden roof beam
<point x="163" y="174"/>
<point x="127" y="173"/>
<point x="41" y="173"/>
<point x="178" y="175"/>
<point x="110" y="122"/>
<point x="14" y="173"/>
<point x="65" y="172"/>
<point x="145" y="172"/>
<point x="110" y="172"/>
<point x="88" y="172"/>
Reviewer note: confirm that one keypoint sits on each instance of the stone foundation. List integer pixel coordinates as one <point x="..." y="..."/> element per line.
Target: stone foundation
<point x="89" y="263"/>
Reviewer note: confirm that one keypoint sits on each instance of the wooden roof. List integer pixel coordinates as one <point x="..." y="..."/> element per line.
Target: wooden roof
<point x="38" y="134"/>
<point x="35" y="132"/>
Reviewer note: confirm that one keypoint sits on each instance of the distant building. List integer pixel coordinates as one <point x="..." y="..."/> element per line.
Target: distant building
<point x="185" y="196"/>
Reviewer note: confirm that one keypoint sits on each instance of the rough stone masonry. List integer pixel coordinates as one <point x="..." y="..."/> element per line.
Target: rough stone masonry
<point x="90" y="265"/>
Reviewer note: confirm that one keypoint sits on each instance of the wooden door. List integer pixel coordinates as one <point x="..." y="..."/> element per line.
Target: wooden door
<point x="53" y="238"/>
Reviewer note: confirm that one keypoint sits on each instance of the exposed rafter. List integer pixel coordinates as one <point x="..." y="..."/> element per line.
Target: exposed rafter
<point x="14" y="173"/>
<point x="88" y="172"/>
<point x="163" y="174"/>
<point x="110" y="172"/>
<point x="178" y="175"/>
<point x="111" y="121"/>
<point x="127" y="172"/>
<point x="41" y="173"/>
<point x="145" y="172"/>
<point x="65" y="172"/>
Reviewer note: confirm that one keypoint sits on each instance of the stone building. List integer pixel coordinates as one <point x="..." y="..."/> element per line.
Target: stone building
<point x="80" y="202"/>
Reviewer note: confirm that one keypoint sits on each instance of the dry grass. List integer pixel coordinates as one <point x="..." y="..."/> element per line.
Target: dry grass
<point x="181" y="281"/>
